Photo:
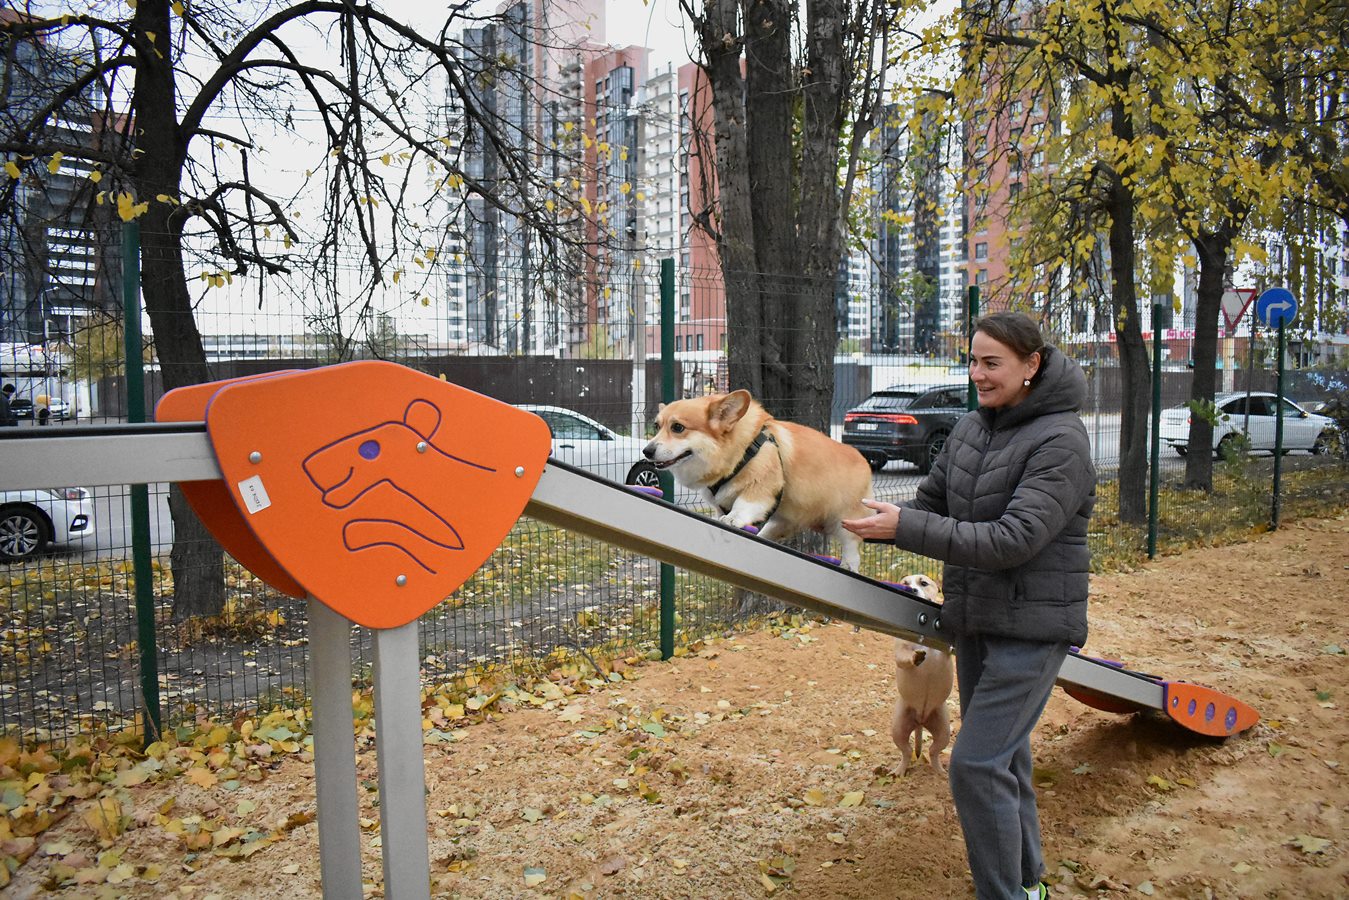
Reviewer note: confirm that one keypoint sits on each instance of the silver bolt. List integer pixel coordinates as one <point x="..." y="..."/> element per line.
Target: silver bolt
<point x="255" y="457"/>
<point x="401" y="580"/>
<point x="421" y="446"/>
<point x="922" y="618"/>
<point x="519" y="471"/>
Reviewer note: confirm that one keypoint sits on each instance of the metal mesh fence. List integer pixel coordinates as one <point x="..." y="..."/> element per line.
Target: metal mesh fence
<point x="68" y="639"/>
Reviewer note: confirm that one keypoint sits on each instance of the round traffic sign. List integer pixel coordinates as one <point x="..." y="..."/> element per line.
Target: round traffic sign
<point x="1276" y="306"/>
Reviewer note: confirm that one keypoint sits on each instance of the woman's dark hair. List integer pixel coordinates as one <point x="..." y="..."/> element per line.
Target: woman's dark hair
<point x="1017" y="331"/>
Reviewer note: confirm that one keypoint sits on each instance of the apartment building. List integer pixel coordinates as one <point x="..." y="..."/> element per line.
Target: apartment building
<point x="60" y="252"/>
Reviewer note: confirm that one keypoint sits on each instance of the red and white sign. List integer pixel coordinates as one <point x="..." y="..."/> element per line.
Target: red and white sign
<point x="1235" y="303"/>
<point x="1170" y="334"/>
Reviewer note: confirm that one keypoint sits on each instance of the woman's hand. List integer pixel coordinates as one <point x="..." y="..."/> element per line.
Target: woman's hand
<point x="880" y="526"/>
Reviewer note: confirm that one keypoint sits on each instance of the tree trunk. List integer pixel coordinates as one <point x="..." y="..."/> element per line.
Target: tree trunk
<point x="197" y="561"/>
<point x="1133" y="353"/>
<point x="818" y="218"/>
<point x="769" y="97"/>
<point x="720" y="37"/>
<point x="1212" y="248"/>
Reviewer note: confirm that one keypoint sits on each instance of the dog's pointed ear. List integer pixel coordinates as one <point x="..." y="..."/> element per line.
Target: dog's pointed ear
<point x="730" y="409"/>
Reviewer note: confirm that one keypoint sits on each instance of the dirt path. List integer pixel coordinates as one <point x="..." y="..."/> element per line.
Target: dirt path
<point x="760" y="765"/>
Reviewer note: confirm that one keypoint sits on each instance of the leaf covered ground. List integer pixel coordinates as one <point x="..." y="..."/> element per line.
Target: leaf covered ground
<point x="759" y="764"/>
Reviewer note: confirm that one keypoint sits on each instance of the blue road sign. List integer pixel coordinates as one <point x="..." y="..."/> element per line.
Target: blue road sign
<point x="1275" y="307"/>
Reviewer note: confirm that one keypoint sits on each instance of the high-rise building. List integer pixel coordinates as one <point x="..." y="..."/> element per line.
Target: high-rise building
<point x="918" y="249"/>
<point x="523" y="72"/>
<point x="60" y="250"/>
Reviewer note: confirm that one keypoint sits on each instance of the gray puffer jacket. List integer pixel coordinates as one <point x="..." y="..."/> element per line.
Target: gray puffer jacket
<point x="1006" y="507"/>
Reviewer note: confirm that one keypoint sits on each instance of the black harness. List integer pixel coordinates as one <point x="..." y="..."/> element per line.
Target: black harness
<point x="751" y="451"/>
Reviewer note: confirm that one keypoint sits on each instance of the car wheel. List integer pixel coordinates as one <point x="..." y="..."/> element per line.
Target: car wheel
<point x="1230" y="445"/>
<point x="23" y="532"/>
<point x="1180" y="451"/>
<point x="1327" y="442"/>
<point x="931" y="450"/>
<point x="877" y="462"/>
<point x="644" y="475"/>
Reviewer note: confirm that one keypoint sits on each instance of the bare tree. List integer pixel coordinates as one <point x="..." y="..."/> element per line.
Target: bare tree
<point x="196" y="105"/>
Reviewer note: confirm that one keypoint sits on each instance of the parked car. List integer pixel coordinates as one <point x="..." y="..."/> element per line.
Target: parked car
<point x="905" y="422"/>
<point x="21" y="407"/>
<point x="1302" y="430"/>
<point x="30" y="520"/>
<point x="59" y="408"/>
<point x="580" y="441"/>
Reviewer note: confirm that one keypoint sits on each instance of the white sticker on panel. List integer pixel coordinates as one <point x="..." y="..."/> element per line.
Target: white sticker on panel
<point x="254" y="494"/>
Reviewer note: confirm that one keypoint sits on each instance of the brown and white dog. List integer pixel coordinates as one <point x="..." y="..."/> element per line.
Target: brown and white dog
<point x="924" y="677"/>
<point x="778" y="476"/>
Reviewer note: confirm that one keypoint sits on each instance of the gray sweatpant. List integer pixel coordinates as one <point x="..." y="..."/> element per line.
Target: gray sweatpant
<point x="1004" y="686"/>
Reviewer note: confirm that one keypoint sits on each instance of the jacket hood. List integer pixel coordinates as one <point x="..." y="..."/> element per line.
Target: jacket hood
<point x="1060" y="387"/>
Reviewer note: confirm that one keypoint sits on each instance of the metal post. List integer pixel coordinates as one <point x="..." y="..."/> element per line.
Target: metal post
<point x="667" y="395"/>
<point x="334" y="753"/>
<point x="1154" y="449"/>
<point x="153" y="721"/>
<point x="1250" y="374"/>
<point x="1278" y="434"/>
<point x="402" y="772"/>
<point x="971" y="395"/>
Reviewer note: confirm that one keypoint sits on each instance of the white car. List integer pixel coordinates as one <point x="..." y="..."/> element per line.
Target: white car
<point x="1256" y="417"/>
<point x="29" y="520"/>
<point x="582" y="442"/>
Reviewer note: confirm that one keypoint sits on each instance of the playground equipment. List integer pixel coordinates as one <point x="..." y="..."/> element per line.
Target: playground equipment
<point x="375" y="491"/>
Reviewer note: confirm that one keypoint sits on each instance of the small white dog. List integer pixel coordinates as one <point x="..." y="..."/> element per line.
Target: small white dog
<point x="925" y="677"/>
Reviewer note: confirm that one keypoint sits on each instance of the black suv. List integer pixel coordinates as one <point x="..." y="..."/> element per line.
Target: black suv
<point x="908" y="422"/>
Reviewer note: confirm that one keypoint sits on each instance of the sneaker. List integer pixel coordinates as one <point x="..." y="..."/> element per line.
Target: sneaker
<point x="1039" y="892"/>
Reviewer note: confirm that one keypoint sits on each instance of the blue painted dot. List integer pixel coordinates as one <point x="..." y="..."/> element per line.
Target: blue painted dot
<point x="369" y="450"/>
<point x="1230" y="720"/>
<point x="1209" y="713"/>
<point x="1193" y="706"/>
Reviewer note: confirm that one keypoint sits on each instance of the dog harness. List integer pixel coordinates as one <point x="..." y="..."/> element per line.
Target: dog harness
<point x="751" y="451"/>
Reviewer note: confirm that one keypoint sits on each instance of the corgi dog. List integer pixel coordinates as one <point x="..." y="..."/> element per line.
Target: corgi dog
<point x="781" y="477"/>
<point x="924" y="677"/>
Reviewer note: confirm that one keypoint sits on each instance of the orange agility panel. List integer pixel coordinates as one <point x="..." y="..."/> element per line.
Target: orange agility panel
<point x="378" y="488"/>
<point x="1206" y="710"/>
<point x="212" y="501"/>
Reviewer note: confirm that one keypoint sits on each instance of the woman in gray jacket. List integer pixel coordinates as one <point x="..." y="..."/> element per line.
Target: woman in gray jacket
<point x="1006" y="508"/>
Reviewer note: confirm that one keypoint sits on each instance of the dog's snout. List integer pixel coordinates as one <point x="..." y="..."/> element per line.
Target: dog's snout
<point x="649" y="451"/>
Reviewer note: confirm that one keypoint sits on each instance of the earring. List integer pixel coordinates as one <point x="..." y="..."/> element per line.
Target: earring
<point x="1026" y="383"/>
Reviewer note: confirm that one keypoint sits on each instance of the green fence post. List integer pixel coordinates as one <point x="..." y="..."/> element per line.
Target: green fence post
<point x="667" y="395"/>
<point x="1154" y="450"/>
<point x="153" y="722"/>
<point x="971" y="395"/>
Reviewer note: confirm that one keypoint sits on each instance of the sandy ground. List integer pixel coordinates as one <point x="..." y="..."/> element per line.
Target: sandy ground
<point x="761" y="764"/>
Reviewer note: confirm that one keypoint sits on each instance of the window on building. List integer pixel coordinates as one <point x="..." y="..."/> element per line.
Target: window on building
<point x="679" y="342"/>
<point x="700" y="341"/>
<point x="1015" y="109"/>
<point x="981" y="250"/>
<point x="1014" y="190"/>
<point x="981" y="277"/>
